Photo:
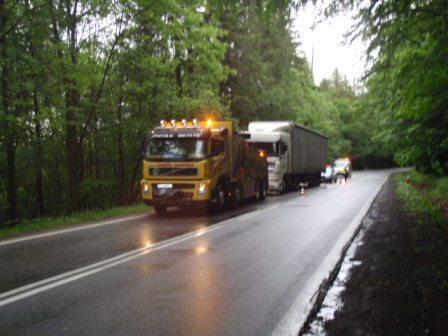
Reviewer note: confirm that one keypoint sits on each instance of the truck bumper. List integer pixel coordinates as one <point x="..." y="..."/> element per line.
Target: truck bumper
<point x="176" y="197"/>
<point x="184" y="204"/>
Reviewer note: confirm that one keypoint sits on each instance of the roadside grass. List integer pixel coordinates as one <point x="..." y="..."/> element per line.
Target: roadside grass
<point x="426" y="200"/>
<point x="39" y="224"/>
<point x="425" y="194"/>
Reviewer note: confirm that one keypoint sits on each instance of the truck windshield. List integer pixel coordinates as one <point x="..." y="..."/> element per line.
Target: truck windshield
<point x="177" y="149"/>
<point x="271" y="148"/>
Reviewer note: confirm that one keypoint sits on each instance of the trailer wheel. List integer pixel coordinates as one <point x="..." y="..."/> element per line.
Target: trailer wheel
<point x="160" y="209"/>
<point x="263" y="190"/>
<point x="257" y="190"/>
<point x="283" y="188"/>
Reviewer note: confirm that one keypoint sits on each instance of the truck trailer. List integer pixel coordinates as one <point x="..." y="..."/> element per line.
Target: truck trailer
<point x="295" y="154"/>
<point x="201" y="163"/>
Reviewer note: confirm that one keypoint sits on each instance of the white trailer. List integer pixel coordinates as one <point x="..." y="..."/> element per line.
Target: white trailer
<point x="295" y="153"/>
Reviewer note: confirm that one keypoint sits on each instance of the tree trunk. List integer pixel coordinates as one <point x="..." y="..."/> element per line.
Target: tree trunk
<point x="10" y="151"/>
<point x="178" y="75"/>
<point x="10" y="137"/>
<point x="71" y="101"/>
<point x="38" y="128"/>
<point x="121" y="171"/>
<point x="71" y="140"/>
<point x="39" y="154"/>
<point x="71" y="149"/>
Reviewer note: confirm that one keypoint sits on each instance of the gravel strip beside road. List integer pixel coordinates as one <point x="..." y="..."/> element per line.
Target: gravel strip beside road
<point x="398" y="287"/>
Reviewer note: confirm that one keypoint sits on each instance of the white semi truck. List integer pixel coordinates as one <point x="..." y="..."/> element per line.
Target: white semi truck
<point x="295" y="154"/>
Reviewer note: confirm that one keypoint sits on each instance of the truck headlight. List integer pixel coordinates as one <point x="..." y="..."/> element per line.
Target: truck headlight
<point x="202" y="188"/>
<point x="145" y="189"/>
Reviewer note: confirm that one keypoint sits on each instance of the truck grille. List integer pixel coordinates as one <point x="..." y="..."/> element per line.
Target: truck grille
<point x="173" y="171"/>
<point x="176" y="186"/>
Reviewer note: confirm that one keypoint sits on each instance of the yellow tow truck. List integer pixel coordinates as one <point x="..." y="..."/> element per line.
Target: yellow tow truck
<point x="201" y="163"/>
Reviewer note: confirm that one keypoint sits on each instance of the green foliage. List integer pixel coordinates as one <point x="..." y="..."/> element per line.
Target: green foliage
<point x="426" y="194"/>
<point x="408" y="47"/>
<point x="82" y="85"/>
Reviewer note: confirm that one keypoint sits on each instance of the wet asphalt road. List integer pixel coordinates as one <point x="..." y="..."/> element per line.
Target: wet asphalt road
<point x="30" y="261"/>
<point x="240" y="277"/>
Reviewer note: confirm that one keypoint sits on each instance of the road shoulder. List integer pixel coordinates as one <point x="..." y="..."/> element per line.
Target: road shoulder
<point x="396" y="286"/>
<point x="29" y="228"/>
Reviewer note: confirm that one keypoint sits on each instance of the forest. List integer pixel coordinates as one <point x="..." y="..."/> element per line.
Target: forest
<point x="82" y="82"/>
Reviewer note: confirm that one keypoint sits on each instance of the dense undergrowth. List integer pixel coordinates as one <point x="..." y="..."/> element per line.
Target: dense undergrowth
<point x="426" y="199"/>
<point x="425" y="194"/>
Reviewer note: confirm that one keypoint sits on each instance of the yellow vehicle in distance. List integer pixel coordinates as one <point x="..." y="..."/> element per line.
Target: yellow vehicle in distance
<point x="340" y="165"/>
<point x="201" y="163"/>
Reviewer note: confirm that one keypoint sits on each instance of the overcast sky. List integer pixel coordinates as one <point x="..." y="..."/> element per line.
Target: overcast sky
<point x="327" y="40"/>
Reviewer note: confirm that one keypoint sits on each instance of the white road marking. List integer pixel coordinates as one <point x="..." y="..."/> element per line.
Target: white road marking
<point x="64" y="278"/>
<point x="293" y="320"/>
<point x="72" y="229"/>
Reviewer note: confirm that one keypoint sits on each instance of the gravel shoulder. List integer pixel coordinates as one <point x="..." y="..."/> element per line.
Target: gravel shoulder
<point x="398" y="284"/>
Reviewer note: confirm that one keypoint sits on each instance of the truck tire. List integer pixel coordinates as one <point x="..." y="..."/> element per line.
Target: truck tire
<point x="220" y="200"/>
<point x="236" y="196"/>
<point x="160" y="209"/>
<point x="263" y="191"/>
<point x="257" y="191"/>
<point x="284" y="186"/>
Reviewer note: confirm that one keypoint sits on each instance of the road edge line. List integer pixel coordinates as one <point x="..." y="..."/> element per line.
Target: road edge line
<point x="23" y="292"/>
<point x="309" y="295"/>
<point x="77" y="227"/>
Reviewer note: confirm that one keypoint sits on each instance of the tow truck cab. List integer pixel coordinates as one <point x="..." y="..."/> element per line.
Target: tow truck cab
<point x="200" y="163"/>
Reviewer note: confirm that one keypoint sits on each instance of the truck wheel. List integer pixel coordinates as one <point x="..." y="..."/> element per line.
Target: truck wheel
<point x="220" y="199"/>
<point x="283" y="189"/>
<point x="257" y="191"/>
<point x="263" y="191"/>
<point x="160" y="209"/>
<point x="236" y="196"/>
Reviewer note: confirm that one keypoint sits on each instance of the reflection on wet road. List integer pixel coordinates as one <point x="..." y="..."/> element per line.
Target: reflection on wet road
<point x="30" y="261"/>
<point x="239" y="273"/>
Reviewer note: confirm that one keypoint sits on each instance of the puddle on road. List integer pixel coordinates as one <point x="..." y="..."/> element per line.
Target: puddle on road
<point x="201" y="249"/>
<point x="332" y="302"/>
<point x="146" y="269"/>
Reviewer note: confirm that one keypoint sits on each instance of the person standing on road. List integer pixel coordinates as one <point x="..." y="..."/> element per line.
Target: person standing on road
<point x="345" y="174"/>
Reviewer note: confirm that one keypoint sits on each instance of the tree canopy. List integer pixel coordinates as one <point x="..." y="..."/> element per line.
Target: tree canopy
<point x="82" y="82"/>
<point x="406" y="84"/>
